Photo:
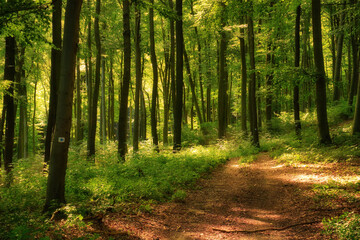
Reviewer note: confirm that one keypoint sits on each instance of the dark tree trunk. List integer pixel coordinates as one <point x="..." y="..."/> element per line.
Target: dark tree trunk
<point x="269" y="88"/>
<point x="297" y="64"/>
<point x="243" y="80"/>
<point x="55" y="75"/>
<point x="89" y="75"/>
<point x="9" y="75"/>
<point x="138" y="77"/>
<point x="123" y="115"/>
<point x="95" y="94"/>
<point x="320" y="81"/>
<point x="155" y="78"/>
<point x="179" y="77"/>
<point x="252" y="86"/>
<point x="111" y="100"/>
<point x="55" y="194"/>
<point x="223" y="81"/>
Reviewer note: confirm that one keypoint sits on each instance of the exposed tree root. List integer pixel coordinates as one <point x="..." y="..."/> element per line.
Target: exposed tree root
<point x="265" y="229"/>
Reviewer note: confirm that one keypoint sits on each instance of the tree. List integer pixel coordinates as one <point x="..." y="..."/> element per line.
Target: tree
<point x="320" y="72"/>
<point x="95" y="94"/>
<point x="243" y="78"/>
<point x="178" y="93"/>
<point x="123" y="115"/>
<point x="297" y="64"/>
<point x="55" y="193"/>
<point x="155" y="76"/>
<point x="252" y="85"/>
<point x="9" y="75"/>
<point x="223" y="81"/>
<point x="55" y="75"/>
<point x="138" y="76"/>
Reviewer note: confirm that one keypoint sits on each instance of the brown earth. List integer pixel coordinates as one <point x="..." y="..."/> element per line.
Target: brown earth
<point x="263" y="200"/>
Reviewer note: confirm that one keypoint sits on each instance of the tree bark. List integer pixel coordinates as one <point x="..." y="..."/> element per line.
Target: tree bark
<point x="55" y="75"/>
<point x="8" y="104"/>
<point x="79" y="129"/>
<point x="252" y="86"/>
<point x="179" y="77"/>
<point x="95" y="94"/>
<point x="338" y="59"/>
<point x="123" y="115"/>
<point x="223" y="81"/>
<point x="297" y="65"/>
<point x="192" y="86"/>
<point x="155" y="78"/>
<point x="243" y="79"/>
<point x="103" y="104"/>
<point x="320" y="71"/>
<point x="23" y="126"/>
<point x="138" y="76"/>
<point x="55" y="194"/>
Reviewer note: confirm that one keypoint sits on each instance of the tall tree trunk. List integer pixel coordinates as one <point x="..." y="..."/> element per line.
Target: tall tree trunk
<point x="95" y="94"/>
<point x="252" y="86"/>
<point x="192" y="86"/>
<point x="123" y="115"/>
<point x="138" y="77"/>
<point x="55" y="75"/>
<point x="339" y="53"/>
<point x="297" y="65"/>
<point x="55" y="194"/>
<point x="243" y="78"/>
<point x="103" y="104"/>
<point x="111" y="100"/>
<point x="155" y="78"/>
<point x="320" y="81"/>
<point x="223" y="81"/>
<point x="89" y="75"/>
<point x="23" y="126"/>
<point x="179" y="77"/>
<point x="8" y="104"/>
<point x="34" y="113"/>
<point x="79" y="129"/>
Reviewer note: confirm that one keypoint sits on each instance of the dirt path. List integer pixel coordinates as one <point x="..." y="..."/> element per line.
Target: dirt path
<point x="263" y="200"/>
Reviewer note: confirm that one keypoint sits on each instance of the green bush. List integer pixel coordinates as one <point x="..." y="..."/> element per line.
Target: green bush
<point x="345" y="227"/>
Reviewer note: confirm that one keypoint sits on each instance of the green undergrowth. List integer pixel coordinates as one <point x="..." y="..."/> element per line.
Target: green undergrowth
<point x="94" y="187"/>
<point x="344" y="227"/>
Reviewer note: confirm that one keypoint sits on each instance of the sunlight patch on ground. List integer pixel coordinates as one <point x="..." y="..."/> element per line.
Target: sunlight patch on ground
<point x="313" y="178"/>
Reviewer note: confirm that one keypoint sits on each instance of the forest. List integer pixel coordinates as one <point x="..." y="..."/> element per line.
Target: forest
<point x="179" y="119"/>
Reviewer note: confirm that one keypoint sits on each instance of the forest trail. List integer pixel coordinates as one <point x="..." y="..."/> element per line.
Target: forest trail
<point x="262" y="200"/>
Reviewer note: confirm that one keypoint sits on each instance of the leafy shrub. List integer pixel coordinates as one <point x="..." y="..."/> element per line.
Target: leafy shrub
<point x="346" y="226"/>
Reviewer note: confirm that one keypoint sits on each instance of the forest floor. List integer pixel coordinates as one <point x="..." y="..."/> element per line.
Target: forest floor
<point x="261" y="200"/>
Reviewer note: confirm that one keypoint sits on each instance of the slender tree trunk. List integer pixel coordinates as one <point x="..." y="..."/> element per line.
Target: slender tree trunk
<point x="192" y="86"/>
<point x="111" y="100"/>
<point x="252" y="86"/>
<point x="79" y="133"/>
<point x="2" y="123"/>
<point x="243" y="79"/>
<point x="89" y="77"/>
<point x="155" y="78"/>
<point x="297" y="65"/>
<point x="23" y="126"/>
<point x="138" y="77"/>
<point x="179" y="77"/>
<point x="95" y="94"/>
<point x="55" y="75"/>
<point x="123" y="116"/>
<point x="269" y="88"/>
<point x="55" y="194"/>
<point x="103" y="104"/>
<point x="339" y="53"/>
<point x="223" y="81"/>
<point x="34" y="115"/>
<point x="320" y="81"/>
<point x="8" y="104"/>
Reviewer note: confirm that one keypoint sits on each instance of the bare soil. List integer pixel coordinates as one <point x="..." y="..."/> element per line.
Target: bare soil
<point x="263" y="200"/>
